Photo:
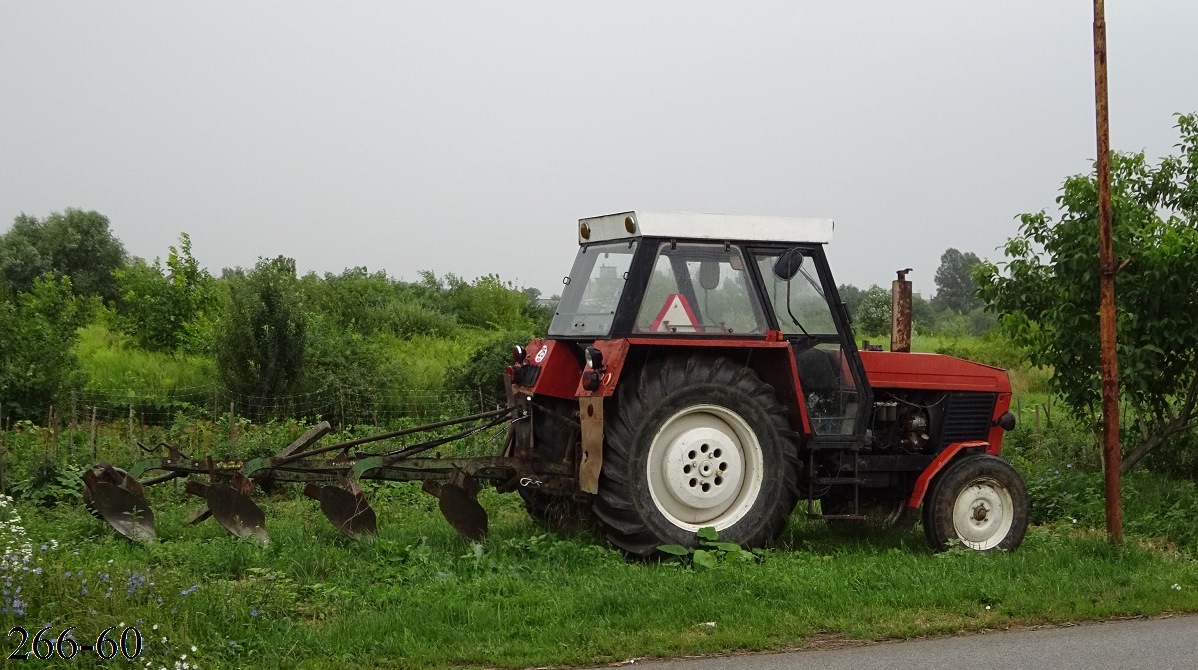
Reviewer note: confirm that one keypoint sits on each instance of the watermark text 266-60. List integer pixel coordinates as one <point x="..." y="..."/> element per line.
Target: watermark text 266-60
<point x="44" y="645"/>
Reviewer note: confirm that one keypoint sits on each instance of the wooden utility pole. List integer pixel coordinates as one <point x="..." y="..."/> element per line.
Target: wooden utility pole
<point x="1111" y="454"/>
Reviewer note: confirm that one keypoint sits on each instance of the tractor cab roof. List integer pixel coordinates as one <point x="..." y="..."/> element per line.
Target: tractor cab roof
<point x="687" y="225"/>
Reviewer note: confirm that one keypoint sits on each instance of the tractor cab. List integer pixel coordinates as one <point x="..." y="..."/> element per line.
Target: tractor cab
<point x="691" y="278"/>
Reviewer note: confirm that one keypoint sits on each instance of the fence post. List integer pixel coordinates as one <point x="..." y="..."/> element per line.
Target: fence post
<point x="232" y="424"/>
<point x="52" y="436"/>
<point x="91" y="440"/>
<point x="3" y="451"/>
<point x="1037" y="426"/>
<point x="132" y="445"/>
<point x="74" y="422"/>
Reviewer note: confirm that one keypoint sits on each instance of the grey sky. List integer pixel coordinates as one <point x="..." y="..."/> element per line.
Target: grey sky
<point x="469" y="137"/>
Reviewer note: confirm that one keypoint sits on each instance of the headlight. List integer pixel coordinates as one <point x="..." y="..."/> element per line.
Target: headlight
<point x="594" y="358"/>
<point x="518" y="354"/>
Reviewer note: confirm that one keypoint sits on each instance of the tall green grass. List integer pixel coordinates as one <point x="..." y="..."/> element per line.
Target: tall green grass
<point x="112" y="364"/>
<point x="420" y="597"/>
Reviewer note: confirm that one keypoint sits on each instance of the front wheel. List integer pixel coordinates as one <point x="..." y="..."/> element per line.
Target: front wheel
<point x="980" y="502"/>
<point x="696" y="442"/>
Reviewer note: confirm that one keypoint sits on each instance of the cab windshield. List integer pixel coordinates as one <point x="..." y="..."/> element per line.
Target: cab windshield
<point x="593" y="290"/>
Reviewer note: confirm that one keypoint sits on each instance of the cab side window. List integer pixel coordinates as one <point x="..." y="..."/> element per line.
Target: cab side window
<point x="699" y="289"/>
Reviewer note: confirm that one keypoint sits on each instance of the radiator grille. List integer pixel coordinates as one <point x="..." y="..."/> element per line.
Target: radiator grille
<point x="967" y="416"/>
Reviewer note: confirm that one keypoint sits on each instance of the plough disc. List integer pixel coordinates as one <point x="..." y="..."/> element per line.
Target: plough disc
<point x="458" y="502"/>
<point x="346" y="507"/>
<point x="233" y="508"/>
<point x="119" y="500"/>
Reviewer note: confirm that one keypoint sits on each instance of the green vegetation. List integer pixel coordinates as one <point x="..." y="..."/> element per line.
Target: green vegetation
<point x="421" y="597"/>
<point x="1047" y="294"/>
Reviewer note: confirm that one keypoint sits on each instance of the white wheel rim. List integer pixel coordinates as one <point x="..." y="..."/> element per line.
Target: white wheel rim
<point x="982" y="514"/>
<point x="704" y="468"/>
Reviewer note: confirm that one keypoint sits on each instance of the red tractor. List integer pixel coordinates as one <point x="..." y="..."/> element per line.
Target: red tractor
<point x="701" y="370"/>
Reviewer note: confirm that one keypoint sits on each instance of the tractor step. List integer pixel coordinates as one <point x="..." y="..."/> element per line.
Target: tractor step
<point x="837" y="517"/>
<point x="836" y="446"/>
<point x="834" y="481"/>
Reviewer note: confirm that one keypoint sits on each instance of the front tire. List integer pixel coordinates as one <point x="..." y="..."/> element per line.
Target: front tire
<point x="695" y="442"/>
<point x="980" y="502"/>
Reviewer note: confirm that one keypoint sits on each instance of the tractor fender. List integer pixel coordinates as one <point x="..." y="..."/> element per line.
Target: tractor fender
<point x="772" y="360"/>
<point x="924" y="482"/>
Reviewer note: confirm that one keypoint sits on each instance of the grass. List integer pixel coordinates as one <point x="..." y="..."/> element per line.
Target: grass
<point x="421" y="597"/>
<point x="111" y="362"/>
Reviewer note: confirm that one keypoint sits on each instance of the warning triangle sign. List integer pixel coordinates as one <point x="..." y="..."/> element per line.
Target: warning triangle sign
<point x="675" y="316"/>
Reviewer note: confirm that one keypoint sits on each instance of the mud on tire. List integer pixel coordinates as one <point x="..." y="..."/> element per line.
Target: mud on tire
<point x="692" y="442"/>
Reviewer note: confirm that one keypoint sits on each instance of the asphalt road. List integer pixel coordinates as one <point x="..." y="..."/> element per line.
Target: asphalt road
<point x="1161" y="644"/>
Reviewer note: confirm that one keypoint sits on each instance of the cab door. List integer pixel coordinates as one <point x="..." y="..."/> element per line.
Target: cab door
<point x="801" y="296"/>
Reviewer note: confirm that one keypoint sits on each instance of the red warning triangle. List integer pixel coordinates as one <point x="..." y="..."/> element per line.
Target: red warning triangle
<point x="675" y="316"/>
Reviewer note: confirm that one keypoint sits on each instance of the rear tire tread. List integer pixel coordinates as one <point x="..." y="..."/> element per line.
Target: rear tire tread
<point x="617" y="506"/>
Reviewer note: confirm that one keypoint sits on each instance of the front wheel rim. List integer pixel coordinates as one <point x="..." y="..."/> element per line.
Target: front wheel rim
<point x="983" y="514"/>
<point x="705" y="468"/>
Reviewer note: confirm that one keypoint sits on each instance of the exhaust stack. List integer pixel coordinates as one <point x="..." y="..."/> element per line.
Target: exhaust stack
<point x="900" y="313"/>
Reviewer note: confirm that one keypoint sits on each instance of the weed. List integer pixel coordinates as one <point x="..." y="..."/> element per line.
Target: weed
<point x="711" y="552"/>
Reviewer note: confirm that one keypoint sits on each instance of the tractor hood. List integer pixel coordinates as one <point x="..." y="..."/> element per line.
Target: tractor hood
<point x="934" y="372"/>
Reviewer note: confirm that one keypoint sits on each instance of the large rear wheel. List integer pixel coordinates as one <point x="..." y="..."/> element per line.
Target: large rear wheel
<point x="979" y="502"/>
<point x="695" y="442"/>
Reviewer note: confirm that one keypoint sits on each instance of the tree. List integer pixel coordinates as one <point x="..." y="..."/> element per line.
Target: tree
<point x="954" y="281"/>
<point x="37" y="334"/>
<point x="260" y="341"/>
<point x="851" y="297"/>
<point x="1047" y="297"/>
<point x="483" y="370"/>
<point x="873" y="312"/>
<point x="164" y="309"/>
<point x="74" y="243"/>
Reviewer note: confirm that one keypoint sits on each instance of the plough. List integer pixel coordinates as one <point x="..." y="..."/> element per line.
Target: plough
<point x="118" y="496"/>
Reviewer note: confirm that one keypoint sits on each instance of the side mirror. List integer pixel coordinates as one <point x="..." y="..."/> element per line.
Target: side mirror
<point x="709" y="274"/>
<point x="788" y="264"/>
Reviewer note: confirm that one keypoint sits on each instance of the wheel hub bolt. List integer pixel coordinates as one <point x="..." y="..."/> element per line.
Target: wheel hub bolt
<point x="980" y="512"/>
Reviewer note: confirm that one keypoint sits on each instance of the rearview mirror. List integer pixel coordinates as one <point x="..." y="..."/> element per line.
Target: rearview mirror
<point x="788" y="264"/>
<point x="709" y="274"/>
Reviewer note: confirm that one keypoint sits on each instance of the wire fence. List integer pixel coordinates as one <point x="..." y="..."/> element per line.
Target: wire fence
<point x="341" y="405"/>
<point x="119" y="425"/>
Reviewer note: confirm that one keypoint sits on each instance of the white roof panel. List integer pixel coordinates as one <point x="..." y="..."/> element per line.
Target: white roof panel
<point x="686" y="225"/>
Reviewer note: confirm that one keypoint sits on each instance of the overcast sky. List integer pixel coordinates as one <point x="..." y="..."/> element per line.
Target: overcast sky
<point x="470" y="137"/>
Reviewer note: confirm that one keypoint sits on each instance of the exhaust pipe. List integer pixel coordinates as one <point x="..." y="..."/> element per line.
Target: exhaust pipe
<point x="900" y="313"/>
